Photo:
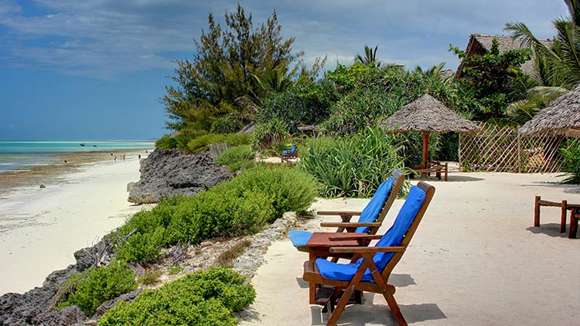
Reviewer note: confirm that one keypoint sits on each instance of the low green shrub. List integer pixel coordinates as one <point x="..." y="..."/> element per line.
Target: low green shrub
<point x="199" y="144"/>
<point x="571" y="165"/>
<point x="178" y="140"/>
<point x="202" y="298"/>
<point x="89" y="289"/>
<point x="236" y="207"/>
<point x="270" y="134"/>
<point x="237" y="157"/>
<point x="351" y="166"/>
<point x="288" y="188"/>
<point x="228" y="123"/>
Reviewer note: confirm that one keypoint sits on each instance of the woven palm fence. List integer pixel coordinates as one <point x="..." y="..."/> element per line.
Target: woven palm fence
<point x="503" y="149"/>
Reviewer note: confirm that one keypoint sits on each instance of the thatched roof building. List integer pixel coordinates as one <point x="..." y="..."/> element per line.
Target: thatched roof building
<point x="427" y="114"/>
<point x="562" y="116"/>
<point x="479" y="44"/>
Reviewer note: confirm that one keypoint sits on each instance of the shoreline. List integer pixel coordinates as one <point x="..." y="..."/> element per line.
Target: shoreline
<point x="40" y="229"/>
<point x="55" y="173"/>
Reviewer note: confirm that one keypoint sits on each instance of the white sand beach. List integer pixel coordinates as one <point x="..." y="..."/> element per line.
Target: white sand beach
<point x="475" y="260"/>
<point x="40" y="229"/>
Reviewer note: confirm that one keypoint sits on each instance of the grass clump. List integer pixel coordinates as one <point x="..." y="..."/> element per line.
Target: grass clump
<point x="150" y="277"/>
<point x="89" y="289"/>
<point x="237" y="158"/>
<point x="226" y="258"/>
<point x="237" y="207"/>
<point x="351" y="166"/>
<point x="201" y="143"/>
<point x="175" y="269"/>
<point x="202" y="298"/>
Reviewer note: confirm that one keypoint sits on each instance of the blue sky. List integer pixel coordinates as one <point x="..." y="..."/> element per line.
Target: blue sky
<point x="96" y="69"/>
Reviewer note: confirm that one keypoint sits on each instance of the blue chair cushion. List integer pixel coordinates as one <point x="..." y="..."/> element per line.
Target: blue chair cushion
<point x="291" y="151"/>
<point x="340" y="272"/>
<point x="299" y="238"/>
<point x="371" y="212"/>
<point x="393" y="237"/>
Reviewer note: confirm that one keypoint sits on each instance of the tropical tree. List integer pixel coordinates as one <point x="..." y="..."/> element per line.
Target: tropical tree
<point x="538" y="98"/>
<point x="558" y="64"/>
<point x="495" y="79"/>
<point x="369" y="58"/>
<point x="233" y="66"/>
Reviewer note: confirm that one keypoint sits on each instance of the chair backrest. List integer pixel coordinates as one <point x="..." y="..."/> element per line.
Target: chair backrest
<point x="381" y="202"/>
<point x="405" y="225"/>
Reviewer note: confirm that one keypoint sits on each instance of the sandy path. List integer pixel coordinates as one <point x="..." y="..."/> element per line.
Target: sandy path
<point x="475" y="260"/>
<point x="40" y="229"/>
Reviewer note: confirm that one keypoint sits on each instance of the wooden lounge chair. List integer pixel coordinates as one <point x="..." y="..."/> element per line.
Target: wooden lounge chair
<point x="370" y="218"/>
<point x="371" y="271"/>
<point x="289" y="153"/>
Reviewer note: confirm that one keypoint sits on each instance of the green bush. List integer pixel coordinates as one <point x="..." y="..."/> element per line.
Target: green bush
<point x="201" y="298"/>
<point x="237" y="157"/>
<point x="236" y="207"/>
<point x="228" y="123"/>
<point x="288" y="188"/>
<point x="571" y="153"/>
<point x="270" y="134"/>
<point x="94" y="286"/>
<point x="178" y="140"/>
<point x="351" y="166"/>
<point x="201" y="143"/>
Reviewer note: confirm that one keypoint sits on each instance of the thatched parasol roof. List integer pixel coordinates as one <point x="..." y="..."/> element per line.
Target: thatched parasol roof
<point x="427" y="114"/>
<point x="562" y="116"/>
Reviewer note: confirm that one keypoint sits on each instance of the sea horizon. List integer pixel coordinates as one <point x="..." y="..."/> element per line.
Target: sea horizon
<point x="24" y="154"/>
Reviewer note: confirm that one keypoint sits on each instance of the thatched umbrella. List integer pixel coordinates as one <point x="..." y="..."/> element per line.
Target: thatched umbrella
<point x="427" y="115"/>
<point x="561" y="117"/>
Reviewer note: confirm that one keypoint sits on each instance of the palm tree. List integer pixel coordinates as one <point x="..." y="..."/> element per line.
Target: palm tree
<point x="370" y="57"/>
<point x="558" y="65"/>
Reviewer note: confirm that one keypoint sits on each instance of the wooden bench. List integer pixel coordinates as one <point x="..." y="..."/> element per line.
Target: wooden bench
<point x="434" y="167"/>
<point x="564" y="208"/>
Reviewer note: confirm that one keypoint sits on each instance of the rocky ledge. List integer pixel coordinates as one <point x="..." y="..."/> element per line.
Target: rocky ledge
<point x="172" y="172"/>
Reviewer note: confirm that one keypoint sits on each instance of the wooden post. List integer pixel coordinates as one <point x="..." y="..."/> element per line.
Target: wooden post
<point x="563" y="216"/>
<point x="537" y="211"/>
<point x="425" y="149"/>
<point x="519" y="140"/>
<point x="574" y="216"/>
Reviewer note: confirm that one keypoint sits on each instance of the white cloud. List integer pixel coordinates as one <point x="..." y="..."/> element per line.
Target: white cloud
<point x="110" y="37"/>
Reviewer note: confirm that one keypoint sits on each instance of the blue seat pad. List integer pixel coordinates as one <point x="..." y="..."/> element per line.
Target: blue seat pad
<point x="299" y="238"/>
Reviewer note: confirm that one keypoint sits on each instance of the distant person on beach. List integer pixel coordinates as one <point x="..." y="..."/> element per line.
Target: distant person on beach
<point x="139" y="156"/>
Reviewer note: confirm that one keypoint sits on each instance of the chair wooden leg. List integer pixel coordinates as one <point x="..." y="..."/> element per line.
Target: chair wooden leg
<point x="573" y="223"/>
<point x="537" y="211"/>
<point x="395" y="309"/>
<point x="340" y="306"/>
<point x="563" y="216"/>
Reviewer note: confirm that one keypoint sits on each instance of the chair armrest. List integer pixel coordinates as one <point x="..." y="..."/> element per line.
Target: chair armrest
<point x="365" y="250"/>
<point x="356" y="236"/>
<point x="339" y="213"/>
<point x="349" y="224"/>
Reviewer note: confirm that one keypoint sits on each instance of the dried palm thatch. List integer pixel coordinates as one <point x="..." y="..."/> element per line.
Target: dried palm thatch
<point x="427" y="114"/>
<point x="561" y="117"/>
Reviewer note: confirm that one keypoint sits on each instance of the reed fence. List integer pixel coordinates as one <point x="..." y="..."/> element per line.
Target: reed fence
<point x="503" y="149"/>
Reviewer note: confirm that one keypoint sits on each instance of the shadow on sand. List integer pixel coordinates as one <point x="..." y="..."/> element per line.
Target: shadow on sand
<point x="359" y="315"/>
<point x="566" y="188"/>
<point x="450" y="178"/>
<point x="549" y="229"/>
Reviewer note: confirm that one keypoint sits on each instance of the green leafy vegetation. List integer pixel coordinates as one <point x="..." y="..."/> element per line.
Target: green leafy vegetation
<point x="235" y="66"/>
<point x="202" y="298"/>
<point x="558" y="61"/>
<point x="495" y="78"/>
<point x="201" y="143"/>
<point x="240" y="206"/>
<point x="351" y="166"/>
<point x="270" y="134"/>
<point x="571" y="164"/>
<point x="237" y="158"/>
<point x="89" y="289"/>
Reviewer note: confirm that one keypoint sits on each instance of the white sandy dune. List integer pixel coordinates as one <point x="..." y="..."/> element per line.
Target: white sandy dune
<point x="40" y="229"/>
<point x="475" y="260"/>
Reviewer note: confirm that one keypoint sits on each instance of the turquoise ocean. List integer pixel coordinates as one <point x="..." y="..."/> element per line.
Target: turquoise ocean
<point x="22" y="155"/>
